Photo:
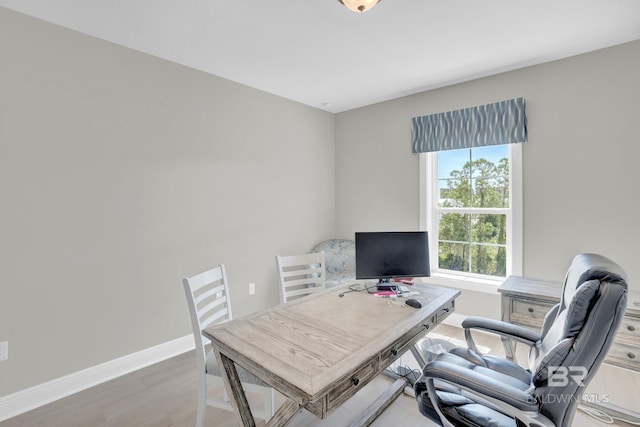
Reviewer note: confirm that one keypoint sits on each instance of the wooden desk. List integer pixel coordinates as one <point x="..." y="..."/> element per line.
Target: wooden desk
<point x="526" y="301"/>
<point x="320" y="350"/>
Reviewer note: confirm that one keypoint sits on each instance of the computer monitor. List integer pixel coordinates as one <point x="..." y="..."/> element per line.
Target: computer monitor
<point x="388" y="255"/>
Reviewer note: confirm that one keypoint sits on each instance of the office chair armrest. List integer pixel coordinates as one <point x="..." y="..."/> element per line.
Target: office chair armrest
<point x="485" y="386"/>
<point x="504" y="329"/>
<point x="509" y="400"/>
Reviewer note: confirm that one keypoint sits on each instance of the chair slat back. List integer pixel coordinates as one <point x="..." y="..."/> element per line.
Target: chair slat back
<point x="301" y="275"/>
<point x="208" y="300"/>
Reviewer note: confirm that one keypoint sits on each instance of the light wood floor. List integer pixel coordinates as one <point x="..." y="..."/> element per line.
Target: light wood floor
<point x="164" y="395"/>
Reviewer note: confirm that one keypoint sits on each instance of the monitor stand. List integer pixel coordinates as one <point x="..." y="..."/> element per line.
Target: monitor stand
<point x="388" y="285"/>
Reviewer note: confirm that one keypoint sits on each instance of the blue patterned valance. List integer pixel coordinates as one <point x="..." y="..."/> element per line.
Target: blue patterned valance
<point x="503" y="122"/>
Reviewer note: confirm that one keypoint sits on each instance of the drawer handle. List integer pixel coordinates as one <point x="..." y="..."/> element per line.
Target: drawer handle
<point x="631" y="355"/>
<point x="427" y="326"/>
<point x="631" y="328"/>
<point x="394" y="352"/>
<point x="446" y="310"/>
<point x="530" y="310"/>
<point x="355" y="381"/>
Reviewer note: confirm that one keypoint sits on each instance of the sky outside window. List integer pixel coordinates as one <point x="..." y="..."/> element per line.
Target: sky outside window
<point x="451" y="160"/>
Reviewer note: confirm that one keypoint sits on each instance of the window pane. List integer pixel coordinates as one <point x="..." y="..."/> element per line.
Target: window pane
<point x="490" y="192"/>
<point x="453" y="162"/>
<point x="454" y="227"/>
<point x="476" y="178"/>
<point x="489" y="228"/>
<point x="489" y="167"/>
<point x="453" y="256"/>
<point x="490" y="260"/>
<point x="492" y="155"/>
<point x="454" y="193"/>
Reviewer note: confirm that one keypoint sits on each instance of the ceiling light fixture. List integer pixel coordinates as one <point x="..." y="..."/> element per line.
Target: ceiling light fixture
<point x="359" y="5"/>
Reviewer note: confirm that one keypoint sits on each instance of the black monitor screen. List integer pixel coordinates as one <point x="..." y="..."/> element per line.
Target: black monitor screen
<point x="385" y="255"/>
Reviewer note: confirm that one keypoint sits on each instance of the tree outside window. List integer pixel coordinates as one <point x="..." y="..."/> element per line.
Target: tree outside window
<point x="472" y="209"/>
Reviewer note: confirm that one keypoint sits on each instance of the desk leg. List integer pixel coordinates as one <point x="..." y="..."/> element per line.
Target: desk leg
<point x="380" y="404"/>
<point x="417" y="354"/>
<point x="234" y="388"/>
<point x="283" y="415"/>
<point x="509" y="348"/>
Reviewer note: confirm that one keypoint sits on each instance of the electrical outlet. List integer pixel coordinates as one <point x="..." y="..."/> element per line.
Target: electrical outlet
<point x="252" y="288"/>
<point x="4" y="350"/>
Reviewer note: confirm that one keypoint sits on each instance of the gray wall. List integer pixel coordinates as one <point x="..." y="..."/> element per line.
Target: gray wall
<point x="580" y="163"/>
<point x="120" y="174"/>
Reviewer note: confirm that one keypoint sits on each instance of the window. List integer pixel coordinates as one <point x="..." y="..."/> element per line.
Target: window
<point x="472" y="208"/>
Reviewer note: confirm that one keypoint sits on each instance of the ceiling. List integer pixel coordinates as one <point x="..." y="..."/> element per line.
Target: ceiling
<point x="319" y="53"/>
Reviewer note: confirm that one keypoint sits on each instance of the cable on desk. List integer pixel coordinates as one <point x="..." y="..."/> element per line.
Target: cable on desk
<point x="356" y="287"/>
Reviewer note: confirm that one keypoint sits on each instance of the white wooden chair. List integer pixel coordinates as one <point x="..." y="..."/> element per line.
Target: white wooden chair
<point x="301" y="275"/>
<point x="208" y="299"/>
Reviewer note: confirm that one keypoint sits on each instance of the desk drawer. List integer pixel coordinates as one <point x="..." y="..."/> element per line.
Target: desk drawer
<point x="445" y="311"/>
<point x="529" y="312"/>
<point x="347" y="388"/>
<point x="623" y="355"/>
<point x="404" y="344"/>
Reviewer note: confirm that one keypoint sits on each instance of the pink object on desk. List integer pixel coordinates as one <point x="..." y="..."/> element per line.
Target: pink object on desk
<point x="386" y="294"/>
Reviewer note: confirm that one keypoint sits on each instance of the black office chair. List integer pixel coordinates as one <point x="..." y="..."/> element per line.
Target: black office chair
<point x="465" y="388"/>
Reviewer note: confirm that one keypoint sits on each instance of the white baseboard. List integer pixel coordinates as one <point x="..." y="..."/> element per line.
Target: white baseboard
<point x="25" y="400"/>
<point x="39" y="395"/>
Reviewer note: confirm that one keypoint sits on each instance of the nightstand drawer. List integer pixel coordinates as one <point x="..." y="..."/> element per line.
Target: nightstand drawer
<point x="623" y="355"/>
<point x="526" y="302"/>
<point x="629" y="331"/>
<point x="529" y="312"/>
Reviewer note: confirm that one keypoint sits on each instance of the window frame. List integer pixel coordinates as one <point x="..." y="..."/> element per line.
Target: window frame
<point x="429" y="212"/>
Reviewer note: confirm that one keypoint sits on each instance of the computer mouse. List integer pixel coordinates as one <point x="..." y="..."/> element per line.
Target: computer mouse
<point x="412" y="302"/>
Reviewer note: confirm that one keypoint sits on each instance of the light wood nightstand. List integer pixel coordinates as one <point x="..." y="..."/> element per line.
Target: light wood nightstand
<point x="526" y="301"/>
